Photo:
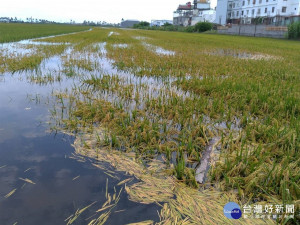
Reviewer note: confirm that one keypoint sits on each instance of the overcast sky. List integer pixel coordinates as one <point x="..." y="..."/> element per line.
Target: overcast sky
<point x="93" y="10"/>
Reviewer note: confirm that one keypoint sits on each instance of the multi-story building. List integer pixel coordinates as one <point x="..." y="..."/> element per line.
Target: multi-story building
<point x="183" y="15"/>
<point x="244" y="11"/>
<point x="190" y="14"/>
<point x="203" y="12"/>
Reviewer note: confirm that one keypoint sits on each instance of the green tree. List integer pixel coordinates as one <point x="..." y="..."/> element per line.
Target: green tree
<point x="203" y="26"/>
<point x="294" y="30"/>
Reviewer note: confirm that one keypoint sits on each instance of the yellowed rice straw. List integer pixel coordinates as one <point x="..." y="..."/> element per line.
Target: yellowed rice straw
<point x="10" y="193"/>
<point x="27" y="180"/>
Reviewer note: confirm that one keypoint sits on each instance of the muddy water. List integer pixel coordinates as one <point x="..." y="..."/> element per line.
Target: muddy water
<point x="29" y="151"/>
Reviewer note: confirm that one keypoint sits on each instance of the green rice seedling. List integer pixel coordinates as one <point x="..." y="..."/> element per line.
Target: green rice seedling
<point x="114" y="141"/>
<point x="180" y="166"/>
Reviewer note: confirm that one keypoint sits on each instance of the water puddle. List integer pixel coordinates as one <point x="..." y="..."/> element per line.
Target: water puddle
<point x="38" y="43"/>
<point x="141" y="38"/>
<point x="15" y="49"/>
<point x="242" y="55"/>
<point x="120" y="45"/>
<point x="158" y="50"/>
<point x="154" y="86"/>
<point x="24" y="47"/>
<point x="113" y="33"/>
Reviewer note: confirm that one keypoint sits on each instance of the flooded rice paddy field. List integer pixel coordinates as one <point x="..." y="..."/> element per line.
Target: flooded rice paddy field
<point x="122" y="126"/>
<point x="42" y="181"/>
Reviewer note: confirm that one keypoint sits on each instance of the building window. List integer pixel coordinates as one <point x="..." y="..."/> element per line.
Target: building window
<point x="267" y="0"/>
<point x="242" y="13"/>
<point x="233" y="6"/>
<point x="273" y="9"/>
<point x="253" y="11"/>
<point x="283" y="9"/>
<point x="247" y="12"/>
<point x="243" y="3"/>
<point x="266" y="9"/>
<point x="258" y="11"/>
<point x="237" y="14"/>
<point x="254" y="2"/>
<point x="248" y="2"/>
<point x="260" y="1"/>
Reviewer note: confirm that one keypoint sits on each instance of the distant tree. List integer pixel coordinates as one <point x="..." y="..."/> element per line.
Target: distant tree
<point x="167" y="24"/>
<point x="203" y="26"/>
<point x="143" y="24"/>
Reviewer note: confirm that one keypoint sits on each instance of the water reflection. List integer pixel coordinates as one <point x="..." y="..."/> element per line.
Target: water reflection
<point x="55" y="195"/>
<point x="29" y="152"/>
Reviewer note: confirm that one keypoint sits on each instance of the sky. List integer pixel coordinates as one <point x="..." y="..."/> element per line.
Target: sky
<point x="92" y="10"/>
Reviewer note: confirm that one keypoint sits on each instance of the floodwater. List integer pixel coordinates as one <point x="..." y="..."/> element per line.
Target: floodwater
<point x="58" y="184"/>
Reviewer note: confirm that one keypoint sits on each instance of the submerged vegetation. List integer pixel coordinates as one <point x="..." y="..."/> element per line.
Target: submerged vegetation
<point x="151" y="103"/>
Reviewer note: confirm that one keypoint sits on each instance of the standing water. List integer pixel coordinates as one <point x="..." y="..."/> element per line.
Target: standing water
<point x="41" y="179"/>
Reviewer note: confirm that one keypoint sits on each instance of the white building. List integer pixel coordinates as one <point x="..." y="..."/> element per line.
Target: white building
<point x="159" y="23"/>
<point x="203" y="12"/>
<point x="208" y="15"/>
<point x="245" y="10"/>
<point x="189" y="14"/>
